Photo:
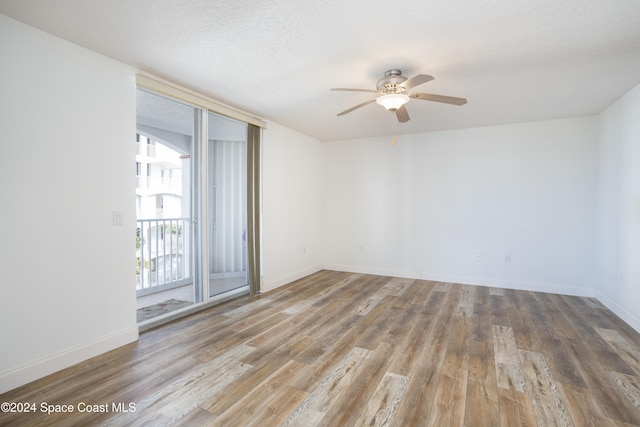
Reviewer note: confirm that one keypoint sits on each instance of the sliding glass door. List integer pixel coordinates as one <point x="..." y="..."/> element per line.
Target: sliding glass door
<point x="191" y="194"/>
<point x="226" y="204"/>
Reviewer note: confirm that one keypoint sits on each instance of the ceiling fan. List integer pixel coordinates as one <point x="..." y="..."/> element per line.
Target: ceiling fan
<point x="393" y="93"/>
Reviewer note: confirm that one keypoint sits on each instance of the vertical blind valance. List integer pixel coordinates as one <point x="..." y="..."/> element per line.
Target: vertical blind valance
<point x="197" y="100"/>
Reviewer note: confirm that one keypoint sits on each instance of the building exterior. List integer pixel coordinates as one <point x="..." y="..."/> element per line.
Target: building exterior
<point x="162" y="216"/>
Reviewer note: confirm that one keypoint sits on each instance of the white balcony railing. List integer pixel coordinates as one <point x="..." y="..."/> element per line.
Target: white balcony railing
<point x="162" y="254"/>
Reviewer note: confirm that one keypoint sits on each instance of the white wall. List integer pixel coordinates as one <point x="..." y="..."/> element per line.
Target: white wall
<point x="619" y="208"/>
<point x="67" y="275"/>
<point x="292" y="205"/>
<point x="434" y="203"/>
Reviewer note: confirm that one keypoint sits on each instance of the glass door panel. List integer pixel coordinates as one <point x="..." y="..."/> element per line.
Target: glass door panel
<point x="167" y="135"/>
<point x="226" y="204"/>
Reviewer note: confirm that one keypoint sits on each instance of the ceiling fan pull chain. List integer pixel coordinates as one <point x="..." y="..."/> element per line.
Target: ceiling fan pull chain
<point x="393" y="129"/>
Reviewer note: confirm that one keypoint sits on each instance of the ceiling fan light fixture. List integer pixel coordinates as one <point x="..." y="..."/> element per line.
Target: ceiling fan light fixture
<point x="393" y="101"/>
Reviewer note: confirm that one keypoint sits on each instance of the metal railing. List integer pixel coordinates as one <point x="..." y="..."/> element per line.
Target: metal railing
<point x="162" y="252"/>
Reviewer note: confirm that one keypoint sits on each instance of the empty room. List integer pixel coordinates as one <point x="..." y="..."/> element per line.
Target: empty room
<point x="265" y="213"/>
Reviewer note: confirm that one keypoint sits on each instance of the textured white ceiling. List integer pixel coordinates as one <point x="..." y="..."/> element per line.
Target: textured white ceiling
<point x="514" y="60"/>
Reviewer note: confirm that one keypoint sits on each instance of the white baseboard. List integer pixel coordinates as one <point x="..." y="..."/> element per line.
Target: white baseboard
<point x="26" y="373"/>
<point x="468" y="280"/>
<point x="512" y="284"/>
<point x="272" y="284"/>
<point x="618" y="310"/>
<point x="405" y="274"/>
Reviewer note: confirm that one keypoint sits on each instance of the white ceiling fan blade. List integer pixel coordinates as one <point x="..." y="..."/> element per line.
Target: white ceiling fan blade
<point x="438" y="98"/>
<point x="356" y="107"/>
<point x="417" y="80"/>
<point x="402" y="114"/>
<point x="353" y="90"/>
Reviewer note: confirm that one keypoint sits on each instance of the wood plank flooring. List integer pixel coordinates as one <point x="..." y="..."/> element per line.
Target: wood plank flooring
<point x="343" y="349"/>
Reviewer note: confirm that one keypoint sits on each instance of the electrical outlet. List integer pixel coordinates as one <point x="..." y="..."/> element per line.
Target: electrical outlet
<point x="507" y="259"/>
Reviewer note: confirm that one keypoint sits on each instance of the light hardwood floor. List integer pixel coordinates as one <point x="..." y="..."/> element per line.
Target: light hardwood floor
<point x="342" y="349"/>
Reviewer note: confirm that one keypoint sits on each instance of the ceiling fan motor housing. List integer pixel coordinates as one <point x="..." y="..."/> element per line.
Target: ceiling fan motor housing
<point x="391" y="81"/>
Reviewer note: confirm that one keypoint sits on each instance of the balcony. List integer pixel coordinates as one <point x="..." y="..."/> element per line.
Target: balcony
<point x="162" y="254"/>
<point x="163" y="276"/>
